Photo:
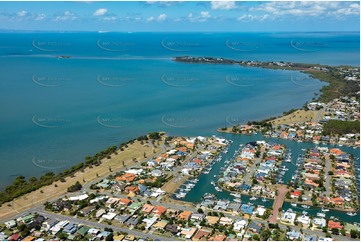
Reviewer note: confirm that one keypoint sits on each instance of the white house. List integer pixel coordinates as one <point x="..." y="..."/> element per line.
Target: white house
<point x="319" y="222"/>
<point x="239" y="225"/>
<point x="10" y="224"/>
<point x="78" y="198"/>
<point x="109" y="216"/>
<point x="289" y="217"/>
<point x="304" y="219"/>
<point x="134" y="171"/>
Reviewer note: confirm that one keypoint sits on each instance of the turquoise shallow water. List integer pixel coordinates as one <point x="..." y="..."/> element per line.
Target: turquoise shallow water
<point x="117" y="86"/>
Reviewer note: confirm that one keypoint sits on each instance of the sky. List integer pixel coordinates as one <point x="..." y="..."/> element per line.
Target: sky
<point x="165" y="16"/>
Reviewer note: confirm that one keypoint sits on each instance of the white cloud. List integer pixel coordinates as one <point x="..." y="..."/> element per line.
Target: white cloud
<point x="150" y="19"/>
<point x="40" y="17"/>
<point x="22" y="13"/>
<point x="67" y="15"/>
<point x="202" y="17"/>
<point x="250" y="17"/>
<point x="163" y="3"/>
<point x="160" y="18"/>
<point x="205" y="14"/>
<point x="100" y="12"/>
<point x="223" y="5"/>
<point x="306" y="8"/>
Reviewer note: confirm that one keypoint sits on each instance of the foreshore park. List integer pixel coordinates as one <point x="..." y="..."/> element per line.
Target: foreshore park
<point x="138" y="190"/>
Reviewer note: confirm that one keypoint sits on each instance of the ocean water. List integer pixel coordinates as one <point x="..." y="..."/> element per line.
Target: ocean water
<point x="117" y="86"/>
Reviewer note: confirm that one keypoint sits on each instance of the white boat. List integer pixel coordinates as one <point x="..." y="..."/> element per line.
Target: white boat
<point x="303" y="149"/>
<point x="217" y="189"/>
<point x="321" y="215"/>
<point x="253" y="198"/>
<point x="235" y="194"/>
<point x="264" y="200"/>
<point x="237" y="200"/>
<point x="294" y="204"/>
<point x="325" y="210"/>
<point x="351" y="214"/>
<point x="299" y="141"/>
<point x="288" y="160"/>
<point x="305" y="206"/>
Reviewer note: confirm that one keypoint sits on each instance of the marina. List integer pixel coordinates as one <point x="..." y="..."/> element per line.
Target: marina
<point x="298" y="150"/>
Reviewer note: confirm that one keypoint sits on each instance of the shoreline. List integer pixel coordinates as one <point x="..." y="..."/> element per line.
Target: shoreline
<point x="86" y="177"/>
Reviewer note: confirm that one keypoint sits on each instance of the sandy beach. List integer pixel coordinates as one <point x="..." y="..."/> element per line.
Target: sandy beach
<point x="47" y="193"/>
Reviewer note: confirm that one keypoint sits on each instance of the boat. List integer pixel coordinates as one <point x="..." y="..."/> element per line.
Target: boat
<point x="288" y="160"/>
<point x="294" y="204"/>
<point x="303" y="149"/>
<point x="237" y="200"/>
<point x="253" y="198"/>
<point x="322" y="215"/>
<point x="217" y="189"/>
<point x="351" y="214"/>
<point x="264" y="200"/>
<point x="235" y="194"/>
<point x="325" y="210"/>
<point x="305" y="206"/>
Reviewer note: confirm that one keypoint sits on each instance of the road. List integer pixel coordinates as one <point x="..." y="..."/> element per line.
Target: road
<point x="140" y="234"/>
<point x="327" y="177"/>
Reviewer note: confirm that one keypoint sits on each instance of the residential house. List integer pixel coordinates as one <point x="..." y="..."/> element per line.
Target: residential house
<point x="123" y="218"/>
<point x="293" y="235"/>
<point x="159" y="210"/>
<point x="211" y="220"/>
<point x="225" y="221"/>
<point x="47" y="225"/>
<point x="10" y="224"/>
<point x="70" y="228"/>
<point x="187" y="233"/>
<point x="240" y="224"/>
<point x="171" y="228"/>
<point x="87" y="210"/>
<point x="333" y="224"/>
<point x="185" y="215"/>
<point x="201" y="234"/>
<point x="147" y="208"/>
<point x="197" y="217"/>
